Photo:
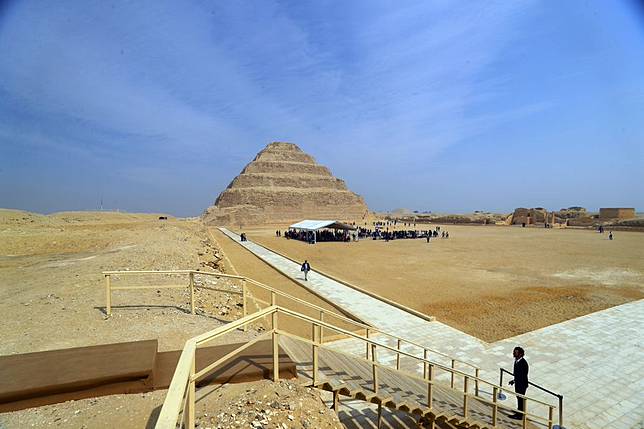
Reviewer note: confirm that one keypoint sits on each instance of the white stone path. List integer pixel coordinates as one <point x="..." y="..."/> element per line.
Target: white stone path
<point x="596" y="361"/>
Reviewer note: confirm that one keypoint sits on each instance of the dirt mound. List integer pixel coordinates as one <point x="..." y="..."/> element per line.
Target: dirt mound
<point x="284" y="184"/>
<point x="10" y="217"/>
<point x="264" y="404"/>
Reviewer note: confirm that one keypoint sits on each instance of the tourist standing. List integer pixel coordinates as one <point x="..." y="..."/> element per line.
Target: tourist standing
<point x="520" y="381"/>
<point x="306" y="267"/>
<point x="610" y="235"/>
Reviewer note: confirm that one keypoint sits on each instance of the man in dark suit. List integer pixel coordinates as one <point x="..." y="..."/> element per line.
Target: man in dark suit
<point x="520" y="381"/>
<point x="306" y="267"/>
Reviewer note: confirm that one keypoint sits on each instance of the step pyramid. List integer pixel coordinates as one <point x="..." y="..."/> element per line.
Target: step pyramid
<point x="284" y="184"/>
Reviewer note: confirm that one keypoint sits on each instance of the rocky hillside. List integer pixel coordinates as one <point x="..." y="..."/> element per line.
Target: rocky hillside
<point x="284" y="184"/>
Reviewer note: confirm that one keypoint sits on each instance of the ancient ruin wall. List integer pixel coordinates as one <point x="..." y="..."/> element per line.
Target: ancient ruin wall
<point x="616" y="213"/>
<point x="529" y="216"/>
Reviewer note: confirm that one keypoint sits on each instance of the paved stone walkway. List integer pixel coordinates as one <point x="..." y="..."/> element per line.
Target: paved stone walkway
<point x="596" y="361"/>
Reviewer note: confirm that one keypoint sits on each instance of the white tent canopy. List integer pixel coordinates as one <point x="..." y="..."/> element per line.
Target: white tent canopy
<point x="314" y="225"/>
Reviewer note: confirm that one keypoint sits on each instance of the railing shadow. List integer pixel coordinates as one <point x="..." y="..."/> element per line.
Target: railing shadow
<point x="199" y="312"/>
<point x="154" y="416"/>
<point x="103" y="309"/>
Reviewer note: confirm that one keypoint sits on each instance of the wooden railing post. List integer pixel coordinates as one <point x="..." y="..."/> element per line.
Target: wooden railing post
<point x="276" y="358"/>
<point x="398" y="355"/>
<point x="465" y="396"/>
<point x="273" y="298"/>
<point x="190" y="423"/>
<point x="525" y="413"/>
<point x="453" y="366"/>
<point x="476" y="382"/>
<point x="374" y="368"/>
<point x="244" y="303"/>
<point x="495" y="407"/>
<point x="551" y="414"/>
<point x="321" y="327"/>
<point x="108" y="295"/>
<point x="192" y="293"/>
<point x="314" y="330"/>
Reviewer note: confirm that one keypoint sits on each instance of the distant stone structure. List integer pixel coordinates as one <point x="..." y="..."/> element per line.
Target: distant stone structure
<point x="572" y="213"/>
<point x="284" y="184"/>
<point x="607" y="213"/>
<point x="529" y="216"/>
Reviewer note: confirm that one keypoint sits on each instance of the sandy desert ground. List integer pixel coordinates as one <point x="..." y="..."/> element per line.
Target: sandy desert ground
<point x="52" y="296"/>
<point x="52" y="291"/>
<point x="490" y="281"/>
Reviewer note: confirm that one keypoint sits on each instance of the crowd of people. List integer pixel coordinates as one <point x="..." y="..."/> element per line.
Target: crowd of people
<point x="379" y="234"/>
<point x="379" y="231"/>
<point x="321" y="235"/>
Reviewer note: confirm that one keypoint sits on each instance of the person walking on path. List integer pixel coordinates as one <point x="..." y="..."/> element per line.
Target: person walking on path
<point x="610" y="235"/>
<point x="306" y="267"/>
<point x="520" y="381"/>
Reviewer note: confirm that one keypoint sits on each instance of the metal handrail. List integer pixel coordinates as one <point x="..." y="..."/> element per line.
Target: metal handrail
<point x="559" y="396"/>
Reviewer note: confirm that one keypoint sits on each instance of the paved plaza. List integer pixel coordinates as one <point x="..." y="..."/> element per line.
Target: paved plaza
<point x="596" y="361"/>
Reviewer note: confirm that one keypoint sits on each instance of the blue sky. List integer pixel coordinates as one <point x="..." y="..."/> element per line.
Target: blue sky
<point x="445" y="106"/>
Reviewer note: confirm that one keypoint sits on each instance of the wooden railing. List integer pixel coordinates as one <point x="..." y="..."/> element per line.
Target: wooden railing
<point x="181" y="394"/>
<point x="322" y="313"/>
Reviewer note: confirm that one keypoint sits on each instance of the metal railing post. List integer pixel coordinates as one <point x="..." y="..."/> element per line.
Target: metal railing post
<point x="452" y="380"/>
<point x="495" y="407"/>
<point x="425" y="363"/>
<point x="501" y="395"/>
<point x="476" y="382"/>
<point x="367" y="343"/>
<point x="465" y="386"/>
<point x="192" y="292"/>
<point x="108" y="295"/>
<point x="374" y="368"/>
<point x="398" y="355"/>
<point x="430" y="386"/>
<point x="561" y="411"/>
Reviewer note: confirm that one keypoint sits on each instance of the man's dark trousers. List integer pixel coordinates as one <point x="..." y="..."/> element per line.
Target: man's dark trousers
<point x="521" y="381"/>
